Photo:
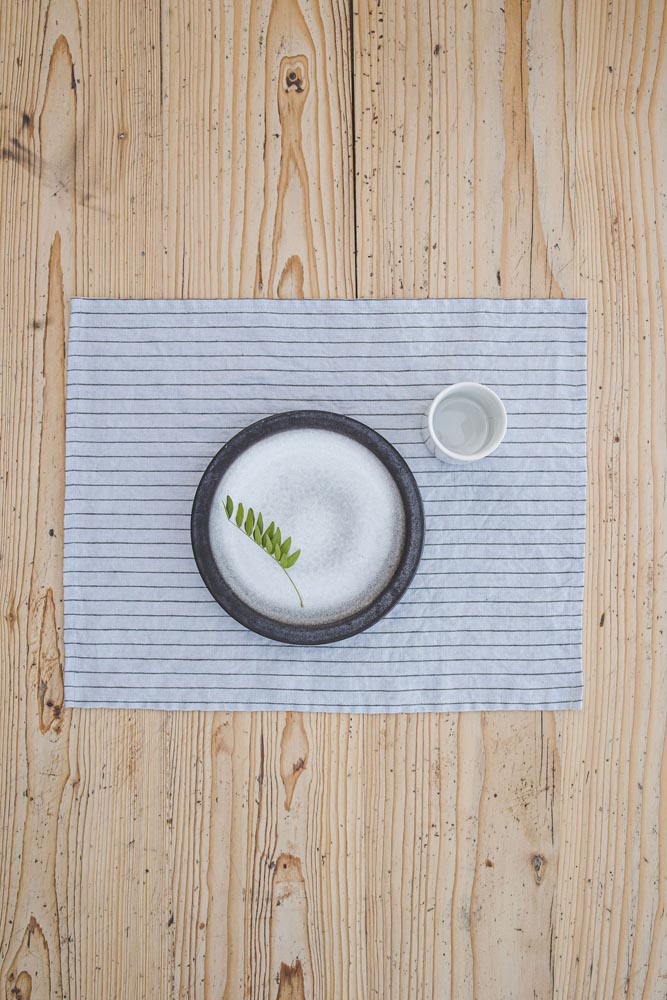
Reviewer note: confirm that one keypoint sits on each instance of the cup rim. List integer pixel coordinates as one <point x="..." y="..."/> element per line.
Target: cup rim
<point x="483" y="452"/>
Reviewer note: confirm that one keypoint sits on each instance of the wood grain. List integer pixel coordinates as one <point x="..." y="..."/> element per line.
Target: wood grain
<point x="451" y="208"/>
<point x="292" y="149"/>
<point x="612" y="936"/>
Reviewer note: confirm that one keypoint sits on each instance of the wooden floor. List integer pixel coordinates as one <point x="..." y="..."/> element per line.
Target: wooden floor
<point x="318" y="148"/>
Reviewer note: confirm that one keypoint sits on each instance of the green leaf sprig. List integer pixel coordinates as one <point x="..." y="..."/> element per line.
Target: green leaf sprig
<point x="269" y="539"/>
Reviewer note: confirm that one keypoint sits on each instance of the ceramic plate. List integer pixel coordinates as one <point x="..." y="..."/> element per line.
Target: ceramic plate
<point x="342" y="497"/>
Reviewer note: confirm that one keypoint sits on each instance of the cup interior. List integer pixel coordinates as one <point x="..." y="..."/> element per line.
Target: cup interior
<point x="468" y="420"/>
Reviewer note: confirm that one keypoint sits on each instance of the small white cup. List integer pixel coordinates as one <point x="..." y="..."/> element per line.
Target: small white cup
<point x="465" y="422"/>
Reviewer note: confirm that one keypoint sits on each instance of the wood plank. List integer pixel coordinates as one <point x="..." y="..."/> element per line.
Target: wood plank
<point x="612" y="932"/>
<point x="148" y="151"/>
<point x="449" y="174"/>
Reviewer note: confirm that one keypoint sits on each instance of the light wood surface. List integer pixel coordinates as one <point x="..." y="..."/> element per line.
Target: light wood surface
<point x="435" y="148"/>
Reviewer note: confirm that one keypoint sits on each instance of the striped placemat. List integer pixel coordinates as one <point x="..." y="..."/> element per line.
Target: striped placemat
<point x="493" y="618"/>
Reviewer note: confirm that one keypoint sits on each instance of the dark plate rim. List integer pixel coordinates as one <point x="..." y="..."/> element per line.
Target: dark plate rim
<point x="343" y="628"/>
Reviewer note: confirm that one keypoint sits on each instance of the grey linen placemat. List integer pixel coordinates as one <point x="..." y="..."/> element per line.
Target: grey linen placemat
<point x="493" y="618"/>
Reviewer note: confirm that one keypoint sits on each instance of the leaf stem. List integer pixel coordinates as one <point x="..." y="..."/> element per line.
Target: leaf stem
<point x="240" y="528"/>
<point x="298" y="594"/>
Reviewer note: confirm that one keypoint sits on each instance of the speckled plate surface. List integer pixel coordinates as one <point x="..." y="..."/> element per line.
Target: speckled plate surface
<point x="345" y="498"/>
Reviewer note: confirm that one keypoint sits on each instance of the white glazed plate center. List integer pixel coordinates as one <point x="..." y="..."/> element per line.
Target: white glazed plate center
<point x="341" y="507"/>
